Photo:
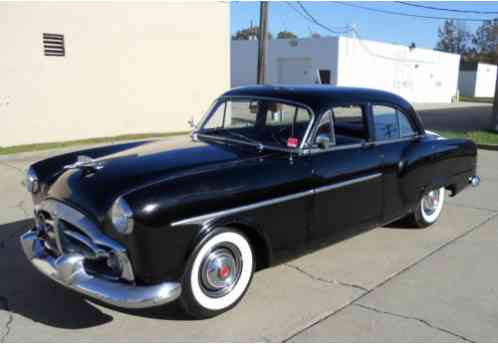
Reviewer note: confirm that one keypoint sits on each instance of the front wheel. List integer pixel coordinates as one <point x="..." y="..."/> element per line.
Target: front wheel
<point x="429" y="208"/>
<point x="218" y="274"/>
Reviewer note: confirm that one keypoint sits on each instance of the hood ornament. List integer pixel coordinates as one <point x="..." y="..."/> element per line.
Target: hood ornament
<point x="86" y="163"/>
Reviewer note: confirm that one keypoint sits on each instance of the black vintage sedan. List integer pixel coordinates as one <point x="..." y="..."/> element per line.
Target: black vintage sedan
<point x="269" y="173"/>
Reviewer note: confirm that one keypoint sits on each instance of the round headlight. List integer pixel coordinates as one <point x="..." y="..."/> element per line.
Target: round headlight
<point x="31" y="181"/>
<point x="122" y="217"/>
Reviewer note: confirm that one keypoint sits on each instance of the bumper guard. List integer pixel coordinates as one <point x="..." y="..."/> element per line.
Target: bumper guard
<point x="69" y="271"/>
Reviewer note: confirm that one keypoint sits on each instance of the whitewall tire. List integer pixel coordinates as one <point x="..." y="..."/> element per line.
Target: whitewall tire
<point x="429" y="208"/>
<point x="218" y="274"/>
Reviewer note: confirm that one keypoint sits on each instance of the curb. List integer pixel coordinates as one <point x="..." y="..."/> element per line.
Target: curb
<point x="42" y="154"/>
<point x="487" y="147"/>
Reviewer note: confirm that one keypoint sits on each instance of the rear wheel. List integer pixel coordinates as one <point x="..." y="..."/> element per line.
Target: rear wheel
<point x="218" y="274"/>
<point x="429" y="208"/>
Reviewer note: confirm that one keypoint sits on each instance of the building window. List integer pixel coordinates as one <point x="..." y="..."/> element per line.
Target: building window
<point x="324" y="76"/>
<point x="53" y="44"/>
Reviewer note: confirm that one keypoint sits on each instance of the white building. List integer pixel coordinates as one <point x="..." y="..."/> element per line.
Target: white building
<point x="127" y="67"/>
<point x="419" y="75"/>
<point x="477" y="79"/>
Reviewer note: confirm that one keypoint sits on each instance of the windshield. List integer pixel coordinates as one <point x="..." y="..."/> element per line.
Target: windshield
<point x="256" y="121"/>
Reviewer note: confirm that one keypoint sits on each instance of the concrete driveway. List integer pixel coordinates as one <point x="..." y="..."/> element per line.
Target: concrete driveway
<point x="387" y="284"/>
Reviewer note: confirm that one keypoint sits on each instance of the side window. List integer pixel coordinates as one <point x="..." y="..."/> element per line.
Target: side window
<point x="405" y="127"/>
<point x="283" y="114"/>
<point x="390" y="124"/>
<point x="349" y="124"/>
<point x="385" y="122"/>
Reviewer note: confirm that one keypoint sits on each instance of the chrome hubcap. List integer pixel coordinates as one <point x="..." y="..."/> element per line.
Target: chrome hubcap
<point x="220" y="270"/>
<point x="430" y="202"/>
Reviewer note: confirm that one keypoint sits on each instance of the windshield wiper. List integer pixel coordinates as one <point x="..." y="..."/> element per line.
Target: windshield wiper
<point x="221" y="134"/>
<point x="246" y="138"/>
<point x="242" y="136"/>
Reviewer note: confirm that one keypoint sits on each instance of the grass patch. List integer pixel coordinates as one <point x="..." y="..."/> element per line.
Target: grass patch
<point x="481" y="137"/>
<point x="93" y="141"/>
<point x="477" y="99"/>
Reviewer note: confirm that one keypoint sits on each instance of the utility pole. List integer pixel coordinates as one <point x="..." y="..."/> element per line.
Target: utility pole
<point x="494" y="119"/>
<point x="263" y="41"/>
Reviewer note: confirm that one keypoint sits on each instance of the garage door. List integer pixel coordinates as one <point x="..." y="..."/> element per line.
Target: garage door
<point x="295" y="71"/>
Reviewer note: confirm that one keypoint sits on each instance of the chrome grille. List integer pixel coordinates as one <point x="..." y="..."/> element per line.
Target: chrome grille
<point x="75" y="241"/>
<point x="48" y="230"/>
<point x="65" y="230"/>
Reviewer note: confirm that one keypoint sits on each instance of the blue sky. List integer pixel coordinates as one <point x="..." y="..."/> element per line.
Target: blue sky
<point x="372" y="26"/>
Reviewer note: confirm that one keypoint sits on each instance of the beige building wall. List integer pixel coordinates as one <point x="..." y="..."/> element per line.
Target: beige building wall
<point x="129" y="68"/>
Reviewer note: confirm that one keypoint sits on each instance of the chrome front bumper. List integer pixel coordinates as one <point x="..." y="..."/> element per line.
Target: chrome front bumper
<point x="69" y="271"/>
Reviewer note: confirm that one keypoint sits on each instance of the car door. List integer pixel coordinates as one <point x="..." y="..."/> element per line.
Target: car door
<point x="403" y="172"/>
<point x="347" y="173"/>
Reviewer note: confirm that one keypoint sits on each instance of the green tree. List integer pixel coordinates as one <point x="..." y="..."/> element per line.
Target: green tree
<point x="453" y="37"/>
<point x="249" y="33"/>
<point x="485" y="41"/>
<point x="286" y="35"/>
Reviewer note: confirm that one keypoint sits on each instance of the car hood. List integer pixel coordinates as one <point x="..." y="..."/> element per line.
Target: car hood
<point x="130" y="169"/>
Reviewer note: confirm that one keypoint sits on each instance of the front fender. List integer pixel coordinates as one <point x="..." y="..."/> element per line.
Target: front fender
<point x="257" y="236"/>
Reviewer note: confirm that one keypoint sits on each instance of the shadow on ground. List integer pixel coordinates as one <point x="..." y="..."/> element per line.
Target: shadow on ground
<point x="459" y="119"/>
<point x="28" y="293"/>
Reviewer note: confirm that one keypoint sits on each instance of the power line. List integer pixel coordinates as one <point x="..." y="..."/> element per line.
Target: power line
<point x="408" y="14"/>
<point x="390" y="58"/>
<point x="445" y="9"/>
<point x="308" y="16"/>
<point x="311" y="19"/>
<point x="364" y="46"/>
<point x="298" y="12"/>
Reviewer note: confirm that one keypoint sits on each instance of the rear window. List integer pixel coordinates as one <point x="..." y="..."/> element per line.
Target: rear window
<point x="390" y="123"/>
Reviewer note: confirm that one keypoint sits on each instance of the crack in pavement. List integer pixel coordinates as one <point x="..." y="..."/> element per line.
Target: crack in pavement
<point x="391" y="277"/>
<point x="423" y="321"/>
<point x="316" y="278"/>
<point x="21" y="205"/>
<point x="461" y="205"/>
<point x="10" y="319"/>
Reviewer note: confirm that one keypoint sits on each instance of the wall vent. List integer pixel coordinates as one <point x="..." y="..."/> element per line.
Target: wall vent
<point x="53" y="44"/>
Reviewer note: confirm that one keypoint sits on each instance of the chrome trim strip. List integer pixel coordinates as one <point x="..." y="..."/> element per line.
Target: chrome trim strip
<point x="337" y="148"/>
<point x="347" y="183"/>
<point x="68" y="270"/>
<point x="359" y="145"/>
<point x="204" y="218"/>
<point x="411" y="138"/>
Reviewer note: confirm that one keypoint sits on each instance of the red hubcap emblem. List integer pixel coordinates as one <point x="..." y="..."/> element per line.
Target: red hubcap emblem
<point x="224" y="272"/>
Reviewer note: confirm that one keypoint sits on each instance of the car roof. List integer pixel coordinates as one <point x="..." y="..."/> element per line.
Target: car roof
<point x="319" y="97"/>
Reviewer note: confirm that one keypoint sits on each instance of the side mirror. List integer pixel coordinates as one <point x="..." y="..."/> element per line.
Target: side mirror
<point x="323" y="141"/>
<point x="191" y="122"/>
